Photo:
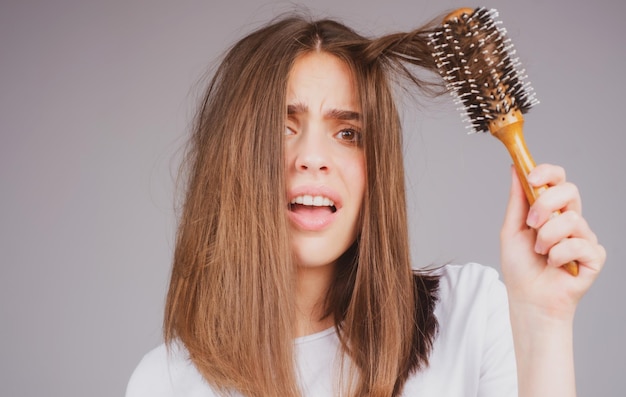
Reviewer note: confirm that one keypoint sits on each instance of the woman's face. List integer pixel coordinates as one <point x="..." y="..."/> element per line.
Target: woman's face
<point x="324" y="159"/>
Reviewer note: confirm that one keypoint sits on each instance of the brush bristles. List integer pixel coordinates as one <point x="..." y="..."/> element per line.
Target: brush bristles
<point x="474" y="57"/>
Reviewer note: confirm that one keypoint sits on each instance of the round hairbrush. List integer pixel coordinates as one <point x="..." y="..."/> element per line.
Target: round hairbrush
<point x="474" y="57"/>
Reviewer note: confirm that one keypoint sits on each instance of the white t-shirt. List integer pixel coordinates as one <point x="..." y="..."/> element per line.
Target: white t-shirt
<point x="472" y="354"/>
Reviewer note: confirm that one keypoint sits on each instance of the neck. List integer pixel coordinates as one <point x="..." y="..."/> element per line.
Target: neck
<point x="312" y="286"/>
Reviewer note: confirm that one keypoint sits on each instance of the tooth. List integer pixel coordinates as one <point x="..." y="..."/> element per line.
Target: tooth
<point x="317" y="201"/>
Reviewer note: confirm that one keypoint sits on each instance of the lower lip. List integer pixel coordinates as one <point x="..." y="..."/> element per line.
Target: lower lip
<point x="312" y="221"/>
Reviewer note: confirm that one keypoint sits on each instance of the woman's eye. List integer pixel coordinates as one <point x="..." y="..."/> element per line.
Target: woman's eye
<point x="349" y="135"/>
<point x="289" y="131"/>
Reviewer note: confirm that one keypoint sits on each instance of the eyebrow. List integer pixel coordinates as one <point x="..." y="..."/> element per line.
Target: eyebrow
<point x="336" y="114"/>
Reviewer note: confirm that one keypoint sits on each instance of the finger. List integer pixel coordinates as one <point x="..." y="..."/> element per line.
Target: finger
<point x="517" y="208"/>
<point x="590" y="257"/>
<point x="546" y="174"/>
<point x="563" y="197"/>
<point x="569" y="224"/>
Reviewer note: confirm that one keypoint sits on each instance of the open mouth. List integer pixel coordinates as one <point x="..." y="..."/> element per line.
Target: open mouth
<point x="307" y="203"/>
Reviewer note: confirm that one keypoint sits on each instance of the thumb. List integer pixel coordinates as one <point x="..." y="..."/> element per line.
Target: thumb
<point x="517" y="208"/>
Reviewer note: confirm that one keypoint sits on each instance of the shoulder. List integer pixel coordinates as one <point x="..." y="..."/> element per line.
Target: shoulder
<point x="458" y="294"/>
<point x="467" y="274"/>
<point x="473" y="352"/>
<point x="471" y="296"/>
<point x="469" y="283"/>
<point x="167" y="372"/>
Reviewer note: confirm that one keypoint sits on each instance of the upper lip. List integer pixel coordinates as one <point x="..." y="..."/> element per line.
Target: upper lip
<point x="313" y="191"/>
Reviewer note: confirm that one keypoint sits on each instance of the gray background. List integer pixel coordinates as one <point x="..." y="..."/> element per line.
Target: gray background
<point x="95" y="103"/>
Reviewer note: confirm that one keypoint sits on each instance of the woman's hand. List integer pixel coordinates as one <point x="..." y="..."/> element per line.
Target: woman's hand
<point x="542" y="295"/>
<point x="535" y="245"/>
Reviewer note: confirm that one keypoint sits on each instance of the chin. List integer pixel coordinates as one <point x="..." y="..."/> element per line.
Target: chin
<point x="312" y="254"/>
<point x="314" y="260"/>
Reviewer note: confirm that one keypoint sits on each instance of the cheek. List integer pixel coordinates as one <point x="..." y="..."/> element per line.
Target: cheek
<point x="288" y="156"/>
<point x="354" y="177"/>
<point x="357" y="174"/>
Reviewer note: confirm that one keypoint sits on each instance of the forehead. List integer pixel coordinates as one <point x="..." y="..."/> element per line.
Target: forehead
<point x="323" y="77"/>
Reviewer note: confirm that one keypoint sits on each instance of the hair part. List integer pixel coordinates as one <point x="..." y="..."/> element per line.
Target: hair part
<point x="230" y="296"/>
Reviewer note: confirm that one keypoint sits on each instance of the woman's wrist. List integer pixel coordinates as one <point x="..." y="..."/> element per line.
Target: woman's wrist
<point x="541" y="314"/>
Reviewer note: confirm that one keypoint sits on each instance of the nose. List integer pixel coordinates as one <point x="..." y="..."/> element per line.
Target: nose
<point x="312" y="153"/>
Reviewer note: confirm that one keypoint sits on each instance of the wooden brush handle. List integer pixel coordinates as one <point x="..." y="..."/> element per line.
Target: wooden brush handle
<point x="509" y="130"/>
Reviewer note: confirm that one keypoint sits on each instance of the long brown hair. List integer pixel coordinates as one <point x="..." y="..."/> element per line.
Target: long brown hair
<point x="230" y="300"/>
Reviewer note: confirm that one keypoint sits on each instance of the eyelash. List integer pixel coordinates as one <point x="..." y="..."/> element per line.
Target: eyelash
<point x="356" y="136"/>
<point x="356" y="140"/>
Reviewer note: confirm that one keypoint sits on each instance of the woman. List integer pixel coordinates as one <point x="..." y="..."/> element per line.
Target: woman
<point x="291" y="273"/>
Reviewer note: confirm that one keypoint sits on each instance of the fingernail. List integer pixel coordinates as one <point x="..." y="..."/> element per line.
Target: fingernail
<point x="532" y="219"/>
<point x="533" y="178"/>
<point x="538" y="249"/>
